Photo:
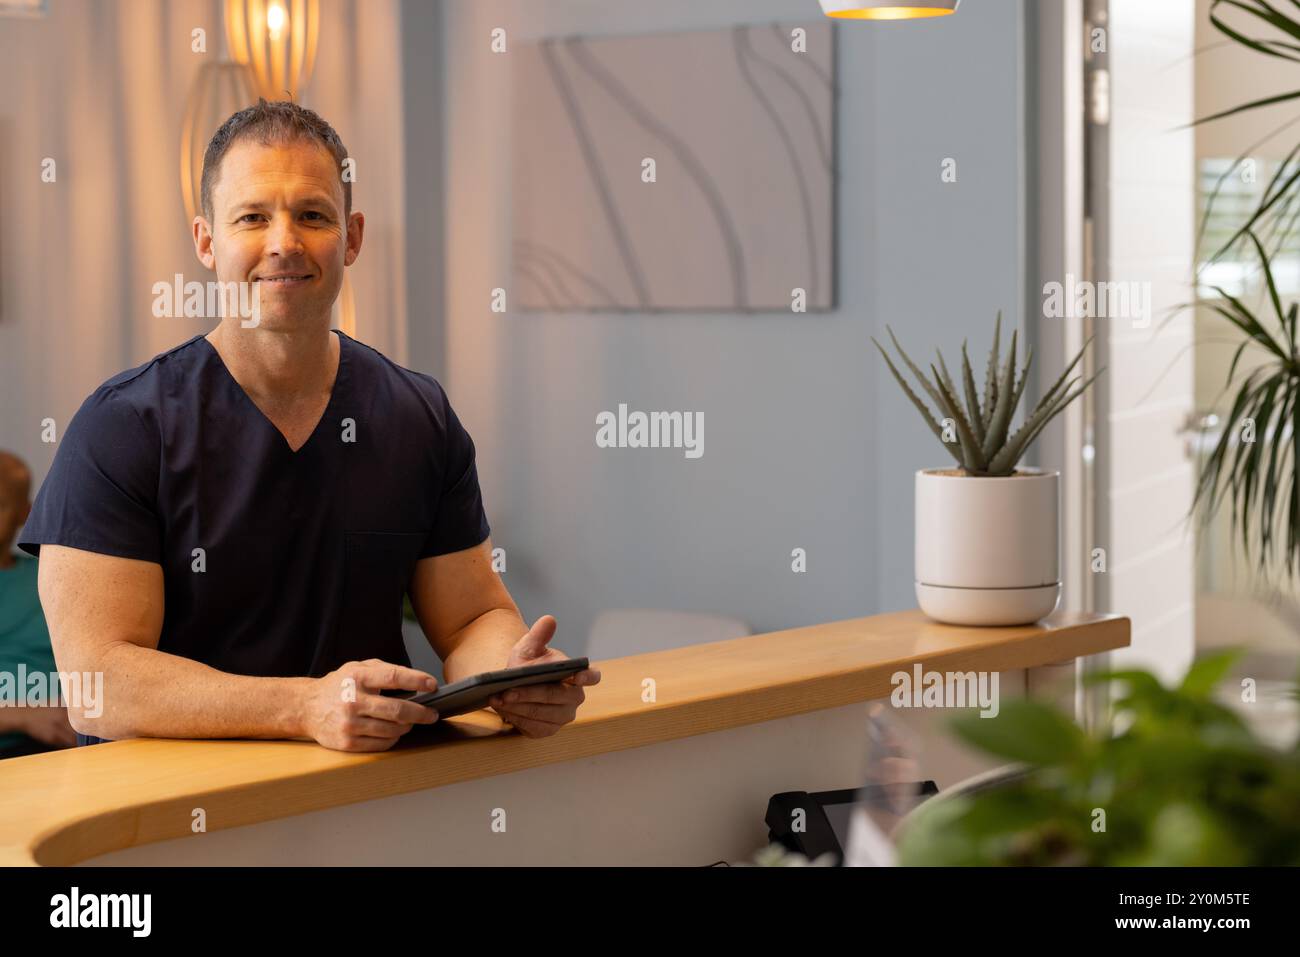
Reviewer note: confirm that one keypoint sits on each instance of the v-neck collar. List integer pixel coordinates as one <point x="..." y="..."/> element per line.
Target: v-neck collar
<point x="337" y="389"/>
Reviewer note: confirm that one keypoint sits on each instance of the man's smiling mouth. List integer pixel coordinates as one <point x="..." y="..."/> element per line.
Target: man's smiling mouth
<point x="284" y="278"/>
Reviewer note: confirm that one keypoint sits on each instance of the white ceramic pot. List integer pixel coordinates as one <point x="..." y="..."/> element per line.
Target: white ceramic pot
<point x="988" y="549"/>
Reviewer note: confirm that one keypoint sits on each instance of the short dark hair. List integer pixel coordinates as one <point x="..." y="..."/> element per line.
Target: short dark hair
<point x="271" y="123"/>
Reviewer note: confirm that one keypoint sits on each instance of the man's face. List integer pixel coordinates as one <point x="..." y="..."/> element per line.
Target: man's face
<point x="277" y="221"/>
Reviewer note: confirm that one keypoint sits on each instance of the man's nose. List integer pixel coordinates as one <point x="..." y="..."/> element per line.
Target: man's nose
<point x="283" y="238"/>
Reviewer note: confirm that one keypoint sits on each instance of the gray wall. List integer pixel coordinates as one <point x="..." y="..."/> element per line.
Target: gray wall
<point x="808" y="443"/>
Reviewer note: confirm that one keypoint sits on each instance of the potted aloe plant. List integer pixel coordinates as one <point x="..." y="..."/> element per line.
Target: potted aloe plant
<point x="987" y="530"/>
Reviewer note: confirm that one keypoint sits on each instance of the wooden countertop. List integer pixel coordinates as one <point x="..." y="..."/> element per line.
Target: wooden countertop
<point x="63" y="807"/>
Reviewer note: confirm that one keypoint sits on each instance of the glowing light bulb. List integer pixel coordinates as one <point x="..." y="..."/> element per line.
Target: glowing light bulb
<point x="275" y="18"/>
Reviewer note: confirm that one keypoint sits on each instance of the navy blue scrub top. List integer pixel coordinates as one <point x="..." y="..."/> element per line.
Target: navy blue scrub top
<point x="306" y="555"/>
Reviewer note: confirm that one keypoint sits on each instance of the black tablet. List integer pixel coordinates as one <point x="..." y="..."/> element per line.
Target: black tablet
<point x="473" y="692"/>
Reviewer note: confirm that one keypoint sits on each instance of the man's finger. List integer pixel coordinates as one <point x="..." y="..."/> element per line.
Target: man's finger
<point x="536" y="729"/>
<point x="395" y="710"/>
<point x="533" y="643"/>
<point x="590" y="676"/>
<point x="550" y="713"/>
<point x="375" y="728"/>
<point x="551" y="693"/>
<point x="533" y="727"/>
<point x="367" y="743"/>
<point x="384" y="675"/>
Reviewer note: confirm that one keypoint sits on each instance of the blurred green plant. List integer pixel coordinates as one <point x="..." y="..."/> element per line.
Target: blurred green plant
<point x="775" y="855"/>
<point x="1185" y="783"/>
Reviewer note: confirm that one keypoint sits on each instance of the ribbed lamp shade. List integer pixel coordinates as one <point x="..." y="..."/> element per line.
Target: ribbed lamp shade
<point x="277" y="39"/>
<point x="887" y="9"/>
<point x="220" y="89"/>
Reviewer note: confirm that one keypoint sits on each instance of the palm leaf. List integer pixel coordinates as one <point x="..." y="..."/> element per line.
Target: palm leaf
<point x="1252" y="105"/>
<point x="1278" y="196"/>
<point x="1256" y="480"/>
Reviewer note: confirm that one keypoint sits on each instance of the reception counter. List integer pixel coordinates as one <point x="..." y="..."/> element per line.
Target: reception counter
<point x="671" y="760"/>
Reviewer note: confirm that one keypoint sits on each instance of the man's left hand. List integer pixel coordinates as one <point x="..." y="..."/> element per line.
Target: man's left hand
<point x="538" y="711"/>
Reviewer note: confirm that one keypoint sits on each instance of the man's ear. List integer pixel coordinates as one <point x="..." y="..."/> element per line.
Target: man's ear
<point x="356" y="229"/>
<point x="203" y="242"/>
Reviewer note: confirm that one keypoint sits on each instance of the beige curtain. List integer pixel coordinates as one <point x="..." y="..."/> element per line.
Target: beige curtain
<point x="100" y="87"/>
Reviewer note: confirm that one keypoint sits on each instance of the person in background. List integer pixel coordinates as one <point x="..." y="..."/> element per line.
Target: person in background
<point x="24" y="639"/>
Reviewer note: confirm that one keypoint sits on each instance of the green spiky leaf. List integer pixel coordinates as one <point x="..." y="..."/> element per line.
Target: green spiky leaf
<point x="1000" y="423"/>
<point x="991" y="374"/>
<point x="972" y="458"/>
<point x="920" y="406"/>
<point x="1004" y="463"/>
<point x="920" y="376"/>
<point x="972" y="397"/>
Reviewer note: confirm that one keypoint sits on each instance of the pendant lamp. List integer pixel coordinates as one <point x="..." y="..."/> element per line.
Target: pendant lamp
<point x="887" y="9"/>
<point x="277" y="39"/>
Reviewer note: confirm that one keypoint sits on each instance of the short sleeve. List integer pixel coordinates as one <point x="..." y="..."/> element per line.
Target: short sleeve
<point x="101" y="492"/>
<point x="461" y="521"/>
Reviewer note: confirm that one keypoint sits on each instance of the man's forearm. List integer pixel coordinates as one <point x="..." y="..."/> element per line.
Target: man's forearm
<point x="149" y="693"/>
<point x="483" y="645"/>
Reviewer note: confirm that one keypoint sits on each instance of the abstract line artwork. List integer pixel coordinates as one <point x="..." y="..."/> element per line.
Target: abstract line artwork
<point x="675" y="172"/>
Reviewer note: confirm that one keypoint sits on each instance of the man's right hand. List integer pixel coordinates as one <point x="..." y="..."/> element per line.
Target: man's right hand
<point x="344" y="710"/>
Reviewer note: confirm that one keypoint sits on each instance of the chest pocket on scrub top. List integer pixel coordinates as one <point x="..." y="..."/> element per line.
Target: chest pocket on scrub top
<point x="377" y="570"/>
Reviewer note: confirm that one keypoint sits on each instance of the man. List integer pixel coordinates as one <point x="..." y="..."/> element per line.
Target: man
<point x="229" y="529"/>
<point x="27" y="726"/>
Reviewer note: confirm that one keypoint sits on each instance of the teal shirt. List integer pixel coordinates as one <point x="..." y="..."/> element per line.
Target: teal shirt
<point x="24" y="638"/>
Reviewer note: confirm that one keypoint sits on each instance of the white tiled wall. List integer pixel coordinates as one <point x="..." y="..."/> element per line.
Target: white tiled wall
<point x="1145" y="474"/>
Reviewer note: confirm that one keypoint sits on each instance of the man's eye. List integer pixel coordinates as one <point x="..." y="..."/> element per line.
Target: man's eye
<point x="247" y="217"/>
<point x="313" y="213"/>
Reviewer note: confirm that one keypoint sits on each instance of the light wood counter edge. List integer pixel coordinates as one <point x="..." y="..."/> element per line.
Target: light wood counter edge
<point x="91" y="801"/>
